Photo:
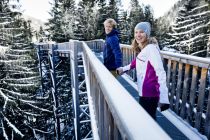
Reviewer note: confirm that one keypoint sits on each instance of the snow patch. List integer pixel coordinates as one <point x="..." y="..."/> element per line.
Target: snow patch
<point x="3" y="49"/>
<point x="183" y="126"/>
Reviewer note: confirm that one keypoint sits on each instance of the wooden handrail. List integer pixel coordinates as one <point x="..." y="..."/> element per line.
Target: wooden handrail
<point x="117" y="113"/>
<point x="188" y="80"/>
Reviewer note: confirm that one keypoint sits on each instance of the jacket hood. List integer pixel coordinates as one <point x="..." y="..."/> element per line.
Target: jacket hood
<point x="113" y="32"/>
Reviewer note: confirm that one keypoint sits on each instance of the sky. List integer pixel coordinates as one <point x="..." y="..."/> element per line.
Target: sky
<point x="159" y="6"/>
<point x="36" y="8"/>
<point x="39" y="8"/>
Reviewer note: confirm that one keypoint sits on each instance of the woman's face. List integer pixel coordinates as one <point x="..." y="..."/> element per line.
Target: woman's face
<point x="108" y="28"/>
<point x="140" y="36"/>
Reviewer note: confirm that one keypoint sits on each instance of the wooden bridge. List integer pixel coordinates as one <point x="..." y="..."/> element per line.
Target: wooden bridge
<point x="109" y="106"/>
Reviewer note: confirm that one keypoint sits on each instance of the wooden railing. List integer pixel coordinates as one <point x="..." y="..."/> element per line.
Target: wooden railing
<point x="189" y="89"/>
<point x="188" y="80"/>
<point x="116" y="114"/>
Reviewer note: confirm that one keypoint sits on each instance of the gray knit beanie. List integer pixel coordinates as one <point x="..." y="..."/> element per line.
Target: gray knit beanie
<point x="145" y="26"/>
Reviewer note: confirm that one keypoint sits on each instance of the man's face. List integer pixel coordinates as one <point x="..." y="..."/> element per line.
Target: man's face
<point x="108" y="28"/>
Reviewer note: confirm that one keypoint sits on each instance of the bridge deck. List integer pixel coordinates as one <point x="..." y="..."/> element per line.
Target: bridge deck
<point x="167" y="126"/>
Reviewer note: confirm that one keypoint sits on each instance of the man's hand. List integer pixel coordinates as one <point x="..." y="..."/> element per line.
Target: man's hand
<point x="119" y="71"/>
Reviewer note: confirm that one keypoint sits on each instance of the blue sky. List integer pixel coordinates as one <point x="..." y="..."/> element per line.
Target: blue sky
<point x="39" y="8"/>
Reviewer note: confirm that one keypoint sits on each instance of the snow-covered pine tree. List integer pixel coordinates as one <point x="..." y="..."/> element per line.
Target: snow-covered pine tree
<point x="69" y="18"/>
<point x="106" y="9"/>
<point x="113" y="8"/>
<point x="40" y="35"/>
<point x="189" y="34"/>
<point x="136" y="15"/>
<point x="19" y="81"/>
<point x="148" y="15"/>
<point x="163" y="24"/>
<point x="123" y="26"/>
<point x="54" y="25"/>
<point x="86" y="28"/>
<point x="65" y="109"/>
<point x="102" y="16"/>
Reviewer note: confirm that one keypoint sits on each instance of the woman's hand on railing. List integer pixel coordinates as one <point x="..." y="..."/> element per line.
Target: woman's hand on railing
<point x="120" y="71"/>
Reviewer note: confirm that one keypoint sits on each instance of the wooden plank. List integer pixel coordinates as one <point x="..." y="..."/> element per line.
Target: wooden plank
<point x="93" y="91"/>
<point x="187" y="61"/>
<point x="178" y="91"/>
<point x="111" y="125"/>
<point x="173" y="87"/>
<point x="97" y="102"/>
<point x="207" y="121"/>
<point x="201" y="98"/>
<point x="106" y="125"/>
<point x="101" y="117"/>
<point x="168" y="77"/>
<point x="192" y="94"/>
<point x="116" y="133"/>
<point x="185" y="93"/>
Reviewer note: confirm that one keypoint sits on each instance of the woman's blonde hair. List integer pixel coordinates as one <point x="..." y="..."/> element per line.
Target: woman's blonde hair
<point x="111" y="21"/>
<point x="135" y="46"/>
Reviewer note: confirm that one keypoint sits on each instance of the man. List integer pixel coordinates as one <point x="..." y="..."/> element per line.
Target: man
<point x="112" y="54"/>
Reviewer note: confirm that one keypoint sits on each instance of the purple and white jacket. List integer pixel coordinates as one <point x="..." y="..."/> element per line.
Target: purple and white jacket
<point x="151" y="77"/>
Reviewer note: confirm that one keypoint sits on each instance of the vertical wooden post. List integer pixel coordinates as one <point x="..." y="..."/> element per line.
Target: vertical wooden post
<point x="192" y="94"/>
<point x="173" y="87"/>
<point x="75" y="88"/>
<point x="178" y="91"/>
<point x="207" y="122"/>
<point x="168" y="79"/>
<point x="201" y="98"/>
<point x="185" y="93"/>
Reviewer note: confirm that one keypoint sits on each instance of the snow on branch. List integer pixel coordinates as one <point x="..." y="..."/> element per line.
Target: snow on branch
<point x="42" y="109"/>
<point x="18" y="55"/>
<point x="6" y="22"/>
<point x="16" y="61"/>
<point x="20" y="51"/>
<point x="5" y="98"/>
<point x="14" y="93"/>
<point x="3" y="49"/>
<point x="201" y="51"/>
<point x="32" y="114"/>
<point x="4" y="132"/>
<point x="190" y="31"/>
<point x="206" y="5"/>
<point x="28" y="113"/>
<point x="21" y="80"/>
<point x="13" y="127"/>
<point x="21" y="85"/>
<point x="28" y="101"/>
<point x="25" y="69"/>
<point x="41" y="131"/>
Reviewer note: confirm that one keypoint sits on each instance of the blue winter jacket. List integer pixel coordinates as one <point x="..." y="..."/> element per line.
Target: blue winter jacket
<point x="112" y="54"/>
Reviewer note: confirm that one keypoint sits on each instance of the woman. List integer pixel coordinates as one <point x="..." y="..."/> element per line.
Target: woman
<point x="151" y="77"/>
